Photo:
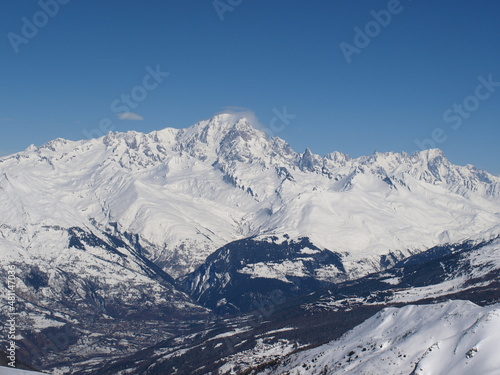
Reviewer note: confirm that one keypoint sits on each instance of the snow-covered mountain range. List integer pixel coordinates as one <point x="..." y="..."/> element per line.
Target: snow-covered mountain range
<point x="185" y="193"/>
<point x="167" y="227"/>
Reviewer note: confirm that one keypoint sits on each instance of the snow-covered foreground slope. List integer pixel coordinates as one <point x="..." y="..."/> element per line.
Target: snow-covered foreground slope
<point x="185" y="193"/>
<point x="14" y="371"/>
<point x="456" y="337"/>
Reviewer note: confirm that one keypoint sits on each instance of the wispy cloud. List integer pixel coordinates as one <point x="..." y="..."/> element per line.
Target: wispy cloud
<point x="242" y="112"/>
<point x="129" y="116"/>
<point x="5" y="119"/>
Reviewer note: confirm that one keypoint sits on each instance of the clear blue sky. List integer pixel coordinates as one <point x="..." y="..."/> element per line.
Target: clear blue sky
<point x="264" y="55"/>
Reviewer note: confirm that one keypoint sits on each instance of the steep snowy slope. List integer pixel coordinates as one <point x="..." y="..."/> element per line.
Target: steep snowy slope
<point x="14" y="371"/>
<point x="456" y="337"/>
<point x="181" y="194"/>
